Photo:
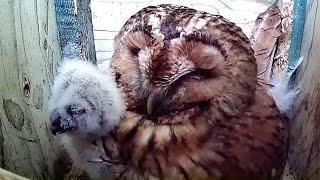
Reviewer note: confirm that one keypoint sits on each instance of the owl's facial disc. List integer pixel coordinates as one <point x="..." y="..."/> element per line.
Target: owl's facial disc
<point x="162" y="74"/>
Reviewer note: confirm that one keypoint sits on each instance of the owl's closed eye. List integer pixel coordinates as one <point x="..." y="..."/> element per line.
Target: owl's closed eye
<point x="194" y="108"/>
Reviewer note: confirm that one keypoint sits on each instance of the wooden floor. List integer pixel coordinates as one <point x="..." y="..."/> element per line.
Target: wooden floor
<point x="109" y="16"/>
<point x="7" y="175"/>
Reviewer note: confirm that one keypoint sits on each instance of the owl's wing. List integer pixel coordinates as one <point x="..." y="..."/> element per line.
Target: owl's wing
<point x="255" y="144"/>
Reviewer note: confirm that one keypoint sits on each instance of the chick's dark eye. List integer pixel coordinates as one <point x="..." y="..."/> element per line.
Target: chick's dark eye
<point x="75" y="110"/>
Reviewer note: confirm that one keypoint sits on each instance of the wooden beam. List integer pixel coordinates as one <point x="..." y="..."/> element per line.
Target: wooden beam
<point x="6" y="175"/>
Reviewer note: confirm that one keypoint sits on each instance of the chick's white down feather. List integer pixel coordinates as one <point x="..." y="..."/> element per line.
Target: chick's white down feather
<point x="78" y="79"/>
<point x="78" y="82"/>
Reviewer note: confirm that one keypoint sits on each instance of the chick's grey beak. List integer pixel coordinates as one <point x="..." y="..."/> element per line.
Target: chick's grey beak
<point x="59" y="124"/>
<point x="55" y="122"/>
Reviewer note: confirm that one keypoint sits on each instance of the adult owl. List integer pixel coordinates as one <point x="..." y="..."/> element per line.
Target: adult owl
<point x="194" y="109"/>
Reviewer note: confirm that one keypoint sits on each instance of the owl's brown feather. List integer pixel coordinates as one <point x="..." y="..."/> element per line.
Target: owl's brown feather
<point x="248" y="145"/>
<point x="194" y="109"/>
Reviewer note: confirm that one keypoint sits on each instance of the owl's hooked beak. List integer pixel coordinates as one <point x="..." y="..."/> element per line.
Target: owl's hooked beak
<point x="154" y="103"/>
<point x="150" y="103"/>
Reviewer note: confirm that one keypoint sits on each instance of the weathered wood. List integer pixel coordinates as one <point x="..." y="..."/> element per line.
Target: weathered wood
<point x="6" y="175"/>
<point x="304" y="155"/>
<point x="84" y="19"/>
<point x="29" y="53"/>
<point x="75" y="28"/>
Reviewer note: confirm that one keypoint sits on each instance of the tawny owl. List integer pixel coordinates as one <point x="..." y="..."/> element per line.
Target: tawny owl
<point x="193" y="106"/>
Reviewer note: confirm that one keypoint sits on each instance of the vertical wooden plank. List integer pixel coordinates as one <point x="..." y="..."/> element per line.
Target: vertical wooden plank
<point x="66" y="20"/>
<point x="29" y="53"/>
<point x="84" y="19"/>
<point x="304" y="151"/>
<point x="75" y="28"/>
<point x="299" y="13"/>
<point x="1" y="145"/>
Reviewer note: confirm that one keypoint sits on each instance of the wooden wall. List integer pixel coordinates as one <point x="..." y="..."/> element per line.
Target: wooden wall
<point x="29" y="53"/>
<point x="304" y="155"/>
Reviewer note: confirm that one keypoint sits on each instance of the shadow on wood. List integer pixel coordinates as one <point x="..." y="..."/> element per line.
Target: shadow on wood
<point x="304" y="155"/>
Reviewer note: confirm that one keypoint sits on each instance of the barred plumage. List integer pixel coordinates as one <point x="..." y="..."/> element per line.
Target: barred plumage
<point x="194" y="109"/>
<point x="208" y="119"/>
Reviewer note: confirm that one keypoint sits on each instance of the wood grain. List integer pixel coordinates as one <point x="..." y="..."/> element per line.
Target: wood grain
<point x="6" y="175"/>
<point x="29" y="53"/>
<point x="304" y="152"/>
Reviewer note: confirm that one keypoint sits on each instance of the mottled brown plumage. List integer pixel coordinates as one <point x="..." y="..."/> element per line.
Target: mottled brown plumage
<point x="194" y="110"/>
